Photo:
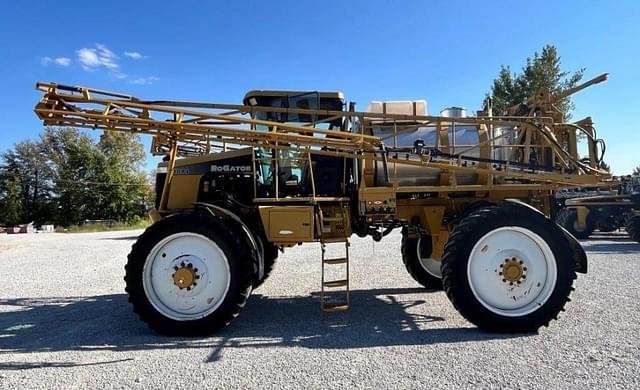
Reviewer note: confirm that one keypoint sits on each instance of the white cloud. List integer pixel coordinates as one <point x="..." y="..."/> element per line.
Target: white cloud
<point x="101" y="58"/>
<point x="145" y="80"/>
<point x="62" y="61"/>
<point x="94" y="58"/>
<point x="133" y="54"/>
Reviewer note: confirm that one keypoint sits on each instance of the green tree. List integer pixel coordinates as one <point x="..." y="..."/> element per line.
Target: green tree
<point x="78" y="166"/>
<point x="636" y="170"/>
<point x="25" y="168"/>
<point x="542" y="71"/>
<point x="66" y="177"/>
<point x="125" y="195"/>
<point x="11" y="207"/>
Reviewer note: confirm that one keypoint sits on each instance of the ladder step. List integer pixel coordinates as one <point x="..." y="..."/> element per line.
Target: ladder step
<point x="343" y="306"/>
<point x="337" y="283"/>
<point x="338" y="260"/>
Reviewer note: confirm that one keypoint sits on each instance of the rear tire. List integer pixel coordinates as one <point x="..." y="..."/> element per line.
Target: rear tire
<point x="633" y="228"/>
<point x="216" y="261"/>
<point x="568" y="219"/>
<point x="425" y="270"/>
<point x="533" y="253"/>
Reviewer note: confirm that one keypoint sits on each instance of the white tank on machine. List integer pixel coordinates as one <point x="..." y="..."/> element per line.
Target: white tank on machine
<point x="403" y="107"/>
<point x="461" y="137"/>
<point x="454" y="112"/>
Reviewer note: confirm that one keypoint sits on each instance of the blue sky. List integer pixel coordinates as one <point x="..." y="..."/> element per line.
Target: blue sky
<point x="446" y="52"/>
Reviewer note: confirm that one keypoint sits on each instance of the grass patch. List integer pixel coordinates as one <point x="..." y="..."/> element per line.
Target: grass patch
<point x="98" y="227"/>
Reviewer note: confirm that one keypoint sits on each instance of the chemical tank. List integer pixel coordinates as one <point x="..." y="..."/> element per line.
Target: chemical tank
<point x="461" y="137"/>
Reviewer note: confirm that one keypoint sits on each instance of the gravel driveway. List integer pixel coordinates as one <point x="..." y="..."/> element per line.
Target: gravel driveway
<point x="65" y="323"/>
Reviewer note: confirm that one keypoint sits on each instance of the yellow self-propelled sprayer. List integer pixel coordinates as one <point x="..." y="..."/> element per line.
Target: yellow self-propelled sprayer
<point x="473" y="196"/>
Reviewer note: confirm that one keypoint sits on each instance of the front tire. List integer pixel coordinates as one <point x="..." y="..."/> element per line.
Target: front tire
<point x="508" y="269"/>
<point x="189" y="274"/>
<point x="422" y="268"/>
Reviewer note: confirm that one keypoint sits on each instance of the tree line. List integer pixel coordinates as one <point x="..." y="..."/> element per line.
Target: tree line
<point x="65" y="177"/>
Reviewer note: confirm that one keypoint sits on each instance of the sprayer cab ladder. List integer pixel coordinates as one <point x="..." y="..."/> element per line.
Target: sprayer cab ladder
<point x="334" y="293"/>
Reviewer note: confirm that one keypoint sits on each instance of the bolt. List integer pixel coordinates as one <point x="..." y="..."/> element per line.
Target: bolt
<point x="188" y="288"/>
<point x="195" y="270"/>
<point x="518" y="282"/>
<point x="190" y="265"/>
<point x="195" y="284"/>
<point x="499" y="273"/>
<point x="504" y="280"/>
<point x="175" y="268"/>
<point x="524" y="268"/>
<point x="510" y="283"/>
<point x="164" y="255"/>
<point x="524" y="276"/>
<point x="182" y="264"/>
<point x="501" y="265"/>
<point x="197" y="276"/>
<point x="521" y="262"/>
<point x="173" y="275"/>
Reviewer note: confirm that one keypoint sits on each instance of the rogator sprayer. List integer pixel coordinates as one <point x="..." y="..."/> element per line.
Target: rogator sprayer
<point x="472" y="195"/>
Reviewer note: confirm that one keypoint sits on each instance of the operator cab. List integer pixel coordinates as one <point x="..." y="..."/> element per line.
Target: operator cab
<point x="293" y="174"/>
<point x="306" y="100"/>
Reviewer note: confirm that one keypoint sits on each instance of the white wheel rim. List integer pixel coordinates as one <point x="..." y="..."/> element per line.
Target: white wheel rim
<point x="432" y="266"/>
<point x="212" y="269"/>
<point x="489" y="287"/>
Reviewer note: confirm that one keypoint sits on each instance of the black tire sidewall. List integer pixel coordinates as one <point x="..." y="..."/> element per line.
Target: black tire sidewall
<point x="456" y="260"/>
<point x="238" y="258"/>
<point x="568" y="217"/>
<point x="414" y="267"/>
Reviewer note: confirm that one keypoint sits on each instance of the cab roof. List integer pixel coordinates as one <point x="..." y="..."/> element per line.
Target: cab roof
<point x="337" y="95"/>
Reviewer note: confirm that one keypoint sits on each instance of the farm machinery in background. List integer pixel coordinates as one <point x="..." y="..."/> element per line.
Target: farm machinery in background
<point x="604" y="209"/>
<point x="472" y="196"/>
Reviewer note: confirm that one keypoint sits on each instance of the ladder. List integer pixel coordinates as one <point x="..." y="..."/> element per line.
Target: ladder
<point x="334" y="293"/>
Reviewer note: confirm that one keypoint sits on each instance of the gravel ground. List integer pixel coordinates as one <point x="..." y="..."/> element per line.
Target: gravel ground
<point x="65" y="323"/>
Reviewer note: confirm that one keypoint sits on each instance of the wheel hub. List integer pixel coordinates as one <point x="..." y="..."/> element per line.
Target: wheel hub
<point x="513" y="271"/>
<point x="185" y="276"/>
